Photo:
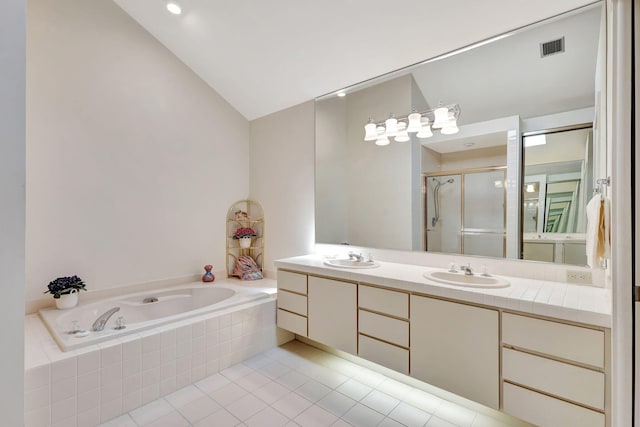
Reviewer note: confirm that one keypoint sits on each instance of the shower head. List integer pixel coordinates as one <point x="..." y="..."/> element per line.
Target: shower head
<point x="439" y="183"/>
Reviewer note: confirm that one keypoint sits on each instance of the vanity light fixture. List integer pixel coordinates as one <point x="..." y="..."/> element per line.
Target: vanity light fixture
<point x="382" y="140"/>
<point x="174" y="8"/>
<point x="443" y="118"/>
<point x="415" y="123"/>
<point x="425" y="129"/>
<point x="391" y="126"/>
<point x="370" y="129"/>
<point x="403" y="135"/>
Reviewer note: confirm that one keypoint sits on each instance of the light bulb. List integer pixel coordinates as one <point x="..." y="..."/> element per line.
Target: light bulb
<point x="402" y="135"/>
<point x="425" y="130"/>
<point x="174" y="8"/>
<point x="392" y="126"/>
<point x="370" y="133"/>
<point x="450" y="128"/>
<point x="382" y="140"/>
<point x="441" y="116"/>
<point x="414" y="122"/>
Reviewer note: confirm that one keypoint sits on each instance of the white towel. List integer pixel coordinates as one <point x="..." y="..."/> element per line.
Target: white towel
<point x="598" y="245"/>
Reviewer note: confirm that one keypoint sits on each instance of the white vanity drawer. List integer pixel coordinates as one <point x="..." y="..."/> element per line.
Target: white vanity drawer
<point x="292" y="302"/>
<point x="292" y="322"/>
<point x="385" y="328"/>
<point x="560" y="379"/>
<point x="384" y="301"/>
<point x="384" y="354"/>
<point x="569" y="342"/>
<point x="294" y="282"/>
<point x="545" y="411"/>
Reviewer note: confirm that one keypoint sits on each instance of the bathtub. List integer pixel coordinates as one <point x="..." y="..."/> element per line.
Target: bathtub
<point x="167" y="305"/>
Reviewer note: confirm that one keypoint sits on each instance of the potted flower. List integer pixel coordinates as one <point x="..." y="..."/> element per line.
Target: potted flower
<point x="244" y="236"/>
<point x="65" y="291"/>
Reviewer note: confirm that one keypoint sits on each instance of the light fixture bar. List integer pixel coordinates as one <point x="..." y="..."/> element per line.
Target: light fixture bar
<point x="430" y="114"/>
<point x="443" y="118"/>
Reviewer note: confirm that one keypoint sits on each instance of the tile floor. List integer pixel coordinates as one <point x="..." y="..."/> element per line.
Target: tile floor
<point x="298" y="385"/>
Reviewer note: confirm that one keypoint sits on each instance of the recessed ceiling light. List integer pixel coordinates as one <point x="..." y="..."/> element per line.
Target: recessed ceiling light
<point x="174" y="8"/>
<point x="341" y="94"/>
<point x="469" y="144"/>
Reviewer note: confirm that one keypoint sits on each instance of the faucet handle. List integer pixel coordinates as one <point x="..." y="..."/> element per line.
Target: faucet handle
<point x="452" y="267"/>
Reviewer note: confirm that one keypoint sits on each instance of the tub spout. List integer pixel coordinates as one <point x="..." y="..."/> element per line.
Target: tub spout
<point x="98" y="325"/>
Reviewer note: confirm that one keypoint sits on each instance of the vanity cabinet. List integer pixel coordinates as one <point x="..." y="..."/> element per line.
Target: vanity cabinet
<point x="553" y="372"/>
<point x="545" y="371"/>
<point x="383" y="327"/>
<point x="292" y="302"/>
<point x="456" y="347"/>
<point x="332" y="313"/>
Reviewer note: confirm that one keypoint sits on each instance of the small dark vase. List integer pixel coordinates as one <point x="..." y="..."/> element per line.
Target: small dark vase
<point x="208" y="276"/>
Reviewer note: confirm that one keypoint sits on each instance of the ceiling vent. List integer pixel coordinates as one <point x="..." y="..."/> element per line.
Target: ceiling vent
<point x="552" y="47"/>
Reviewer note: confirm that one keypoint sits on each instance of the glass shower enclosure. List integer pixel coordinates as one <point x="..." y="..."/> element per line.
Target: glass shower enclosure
<point x="465" y="212"/>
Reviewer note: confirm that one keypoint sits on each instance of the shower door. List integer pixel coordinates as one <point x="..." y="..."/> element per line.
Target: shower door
<point x="483" y="228"/>
<point x="465" y="212"/>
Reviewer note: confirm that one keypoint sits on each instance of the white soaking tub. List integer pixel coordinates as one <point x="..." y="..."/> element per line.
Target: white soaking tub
<point x="142" y="310"/>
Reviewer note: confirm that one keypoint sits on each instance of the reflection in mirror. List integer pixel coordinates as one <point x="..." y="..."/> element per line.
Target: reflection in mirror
<point x="558" y="182"/>
<point x="464" y="190"/>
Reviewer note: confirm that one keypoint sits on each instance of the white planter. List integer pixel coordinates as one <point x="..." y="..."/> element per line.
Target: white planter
<point x="67" y="300"/>
<point x="245" y="242"/>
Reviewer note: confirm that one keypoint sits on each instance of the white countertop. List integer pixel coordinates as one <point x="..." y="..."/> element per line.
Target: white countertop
<point x="576" y="303"/>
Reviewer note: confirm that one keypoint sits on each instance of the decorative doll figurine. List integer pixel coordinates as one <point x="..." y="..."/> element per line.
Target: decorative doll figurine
<point x="208" y="276"/>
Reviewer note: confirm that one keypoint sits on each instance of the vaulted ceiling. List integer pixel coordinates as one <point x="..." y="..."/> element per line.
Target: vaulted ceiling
<point x="265" y="56"/>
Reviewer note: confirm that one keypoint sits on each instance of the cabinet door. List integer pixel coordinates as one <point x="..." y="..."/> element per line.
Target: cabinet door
<point x="456" y="347"/>
<point x="332" y="313"/>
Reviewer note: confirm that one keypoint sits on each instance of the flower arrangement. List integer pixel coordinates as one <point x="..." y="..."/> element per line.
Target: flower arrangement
<point x="244" y="232"/>
<point x="64" y="285"/>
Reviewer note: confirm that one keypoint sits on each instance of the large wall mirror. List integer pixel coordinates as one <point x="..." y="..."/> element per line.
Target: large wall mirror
<point x="506" y="168"/>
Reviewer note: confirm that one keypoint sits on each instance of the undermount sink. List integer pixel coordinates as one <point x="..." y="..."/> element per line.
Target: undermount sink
<point x="461" y="279"/>
<point x="350" y="263"/>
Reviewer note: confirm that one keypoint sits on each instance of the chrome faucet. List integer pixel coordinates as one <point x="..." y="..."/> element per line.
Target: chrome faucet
<point x="467" y="270"/>
<point x="355" y="256"/>
<point x="98" y="325"/>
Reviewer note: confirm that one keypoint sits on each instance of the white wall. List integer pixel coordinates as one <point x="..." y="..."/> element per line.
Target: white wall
<point x="12" y="209"/>
<point x="282" y="180"/>
<point x="132" y="160"/>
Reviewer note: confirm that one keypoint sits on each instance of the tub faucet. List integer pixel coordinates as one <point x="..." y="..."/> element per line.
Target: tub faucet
<point x="98" y="325"/>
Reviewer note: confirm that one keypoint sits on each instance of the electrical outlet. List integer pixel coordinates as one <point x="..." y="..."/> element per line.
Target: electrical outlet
<point x="576" y="276"/>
